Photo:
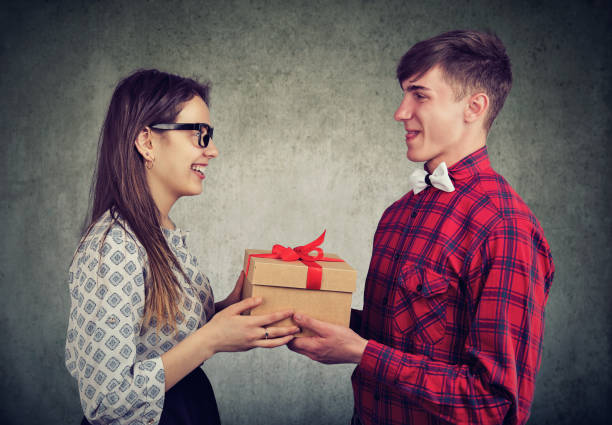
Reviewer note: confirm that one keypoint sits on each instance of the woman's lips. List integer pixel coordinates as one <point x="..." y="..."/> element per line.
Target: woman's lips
<point x="198" y="169"/>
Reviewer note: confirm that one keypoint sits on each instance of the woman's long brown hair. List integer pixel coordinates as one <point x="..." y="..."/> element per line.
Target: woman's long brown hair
<point x="142" y="99"/>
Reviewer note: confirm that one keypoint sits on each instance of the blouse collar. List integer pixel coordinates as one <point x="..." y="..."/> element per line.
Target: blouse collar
<point x="176" y="237"/>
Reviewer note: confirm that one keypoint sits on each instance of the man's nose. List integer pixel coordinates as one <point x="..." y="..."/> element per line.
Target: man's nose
<point x="404" y="110"/>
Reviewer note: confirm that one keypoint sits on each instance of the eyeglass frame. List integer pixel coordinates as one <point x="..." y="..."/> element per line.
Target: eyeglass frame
<point x="203" y="139"/>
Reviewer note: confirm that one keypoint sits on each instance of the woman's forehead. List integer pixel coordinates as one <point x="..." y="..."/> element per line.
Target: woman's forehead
<point x="194" y="110"/>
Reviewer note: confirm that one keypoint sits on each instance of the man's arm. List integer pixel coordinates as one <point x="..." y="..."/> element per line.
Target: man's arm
<point x="502" y="350"/>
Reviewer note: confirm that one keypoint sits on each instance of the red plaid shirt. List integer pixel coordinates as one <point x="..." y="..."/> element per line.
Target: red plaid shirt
<point x="454" y="305"/>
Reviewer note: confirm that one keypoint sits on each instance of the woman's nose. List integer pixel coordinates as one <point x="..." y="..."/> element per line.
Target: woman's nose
<point x="211" y="150"/>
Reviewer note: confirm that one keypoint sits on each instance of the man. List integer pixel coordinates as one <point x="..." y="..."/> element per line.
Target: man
<point x="453" y="315"/>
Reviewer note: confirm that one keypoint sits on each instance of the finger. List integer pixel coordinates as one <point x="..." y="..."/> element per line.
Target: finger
<point x="266" y="319"/>
<point x="291" y="345"/>
<point x="280" y="331"/>
<point x="274" y="342"/>
<point x="296" y="345"/>
<point x="244" y="305"/>
<point x="307" y="322"/>
<point x="305" y="343"/>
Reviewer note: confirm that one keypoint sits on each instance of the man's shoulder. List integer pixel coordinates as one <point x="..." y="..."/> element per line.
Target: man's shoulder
<point x="490" y="190"/>
<point x="401" y="202"/>
<point x="398" y="206"/>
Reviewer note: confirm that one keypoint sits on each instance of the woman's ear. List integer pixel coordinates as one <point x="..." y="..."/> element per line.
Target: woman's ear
<point x="477" y="107"/>
<point x="144" y="145"/>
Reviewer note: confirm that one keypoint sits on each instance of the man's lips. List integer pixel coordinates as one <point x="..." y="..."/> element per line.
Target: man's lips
<point x="411" y="134"/>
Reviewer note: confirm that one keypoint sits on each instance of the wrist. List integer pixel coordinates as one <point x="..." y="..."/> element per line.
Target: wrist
<point x="359" y="350"/>
<point x="207" y="342"/>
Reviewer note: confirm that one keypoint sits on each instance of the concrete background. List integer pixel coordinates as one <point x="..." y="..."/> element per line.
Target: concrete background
<point x="302" y="103"/>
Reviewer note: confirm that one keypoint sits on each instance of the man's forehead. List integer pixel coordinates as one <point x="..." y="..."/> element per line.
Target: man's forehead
<point x="428" y="80"/>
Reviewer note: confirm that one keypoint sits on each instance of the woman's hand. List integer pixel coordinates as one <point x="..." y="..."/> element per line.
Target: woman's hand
<point x="228" y="330"/>
<point x="234" y="296"/>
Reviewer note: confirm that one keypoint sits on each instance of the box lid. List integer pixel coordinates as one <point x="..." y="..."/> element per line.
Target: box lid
<point x="336" y="276"/>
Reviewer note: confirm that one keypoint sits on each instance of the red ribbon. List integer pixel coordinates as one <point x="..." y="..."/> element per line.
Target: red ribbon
<point x="301" y="253"/>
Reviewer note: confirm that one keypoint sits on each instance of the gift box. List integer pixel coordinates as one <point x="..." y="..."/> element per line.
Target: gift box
<point x="319" y="286"/>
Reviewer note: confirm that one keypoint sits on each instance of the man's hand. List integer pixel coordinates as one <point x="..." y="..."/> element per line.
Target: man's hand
<point x="332" y="344"/>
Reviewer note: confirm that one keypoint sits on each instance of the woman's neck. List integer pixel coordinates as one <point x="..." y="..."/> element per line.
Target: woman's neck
<point x="166" y="223"/>
<point x="164" y="210"/>
<point x="164" y="202"/>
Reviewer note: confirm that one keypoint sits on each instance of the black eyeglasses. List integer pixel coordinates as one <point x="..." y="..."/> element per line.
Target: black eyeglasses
<point x="205" y="131"/>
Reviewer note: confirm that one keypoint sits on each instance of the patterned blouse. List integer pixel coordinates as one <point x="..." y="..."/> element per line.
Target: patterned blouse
<point x="115" y="359"/>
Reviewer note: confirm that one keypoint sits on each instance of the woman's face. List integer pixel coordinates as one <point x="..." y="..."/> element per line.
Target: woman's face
<point x="179" y="166"/>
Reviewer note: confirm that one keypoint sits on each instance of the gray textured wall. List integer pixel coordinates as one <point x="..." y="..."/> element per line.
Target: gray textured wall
<point x="303" y="101"/>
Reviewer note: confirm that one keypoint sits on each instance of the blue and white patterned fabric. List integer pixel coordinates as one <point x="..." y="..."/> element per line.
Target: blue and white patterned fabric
<point x="115" y="359"/>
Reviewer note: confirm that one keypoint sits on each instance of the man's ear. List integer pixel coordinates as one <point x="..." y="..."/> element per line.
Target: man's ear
<point x="144" y="145"/>
<point x="477" y="107"/>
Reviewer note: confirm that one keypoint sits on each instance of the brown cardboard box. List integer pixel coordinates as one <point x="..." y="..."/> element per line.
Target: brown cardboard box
<point x="282" y="285"/>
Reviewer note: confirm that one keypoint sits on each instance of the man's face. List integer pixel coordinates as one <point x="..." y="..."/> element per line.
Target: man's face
<point x="433" y="120"/>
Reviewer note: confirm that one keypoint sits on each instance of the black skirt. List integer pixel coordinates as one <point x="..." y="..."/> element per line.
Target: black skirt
<point x="189" y="402"/>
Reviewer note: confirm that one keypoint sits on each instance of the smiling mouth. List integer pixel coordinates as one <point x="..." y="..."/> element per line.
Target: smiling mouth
<point x="199" y="169"/>
<point x="411" y="134"/>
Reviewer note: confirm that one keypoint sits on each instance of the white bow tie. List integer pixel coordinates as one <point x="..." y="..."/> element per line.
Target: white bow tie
<point x="420" y="179"/>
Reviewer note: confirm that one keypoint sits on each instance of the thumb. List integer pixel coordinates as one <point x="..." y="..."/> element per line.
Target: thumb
<point x="307" y="322"/>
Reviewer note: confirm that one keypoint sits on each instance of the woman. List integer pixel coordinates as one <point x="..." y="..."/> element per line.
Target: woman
<point x="142" y="317"/>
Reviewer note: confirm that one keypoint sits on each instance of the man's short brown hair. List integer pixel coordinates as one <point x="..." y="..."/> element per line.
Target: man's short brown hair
<point x="469" y="60"/>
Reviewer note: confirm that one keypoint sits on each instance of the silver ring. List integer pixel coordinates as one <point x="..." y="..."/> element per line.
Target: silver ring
<point x="266" y="329"/>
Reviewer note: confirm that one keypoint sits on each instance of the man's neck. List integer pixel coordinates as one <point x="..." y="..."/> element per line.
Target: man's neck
<point x="452" y="157"/>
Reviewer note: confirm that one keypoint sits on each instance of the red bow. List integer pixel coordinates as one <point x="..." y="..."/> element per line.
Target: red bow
<point x="301" y="253"/>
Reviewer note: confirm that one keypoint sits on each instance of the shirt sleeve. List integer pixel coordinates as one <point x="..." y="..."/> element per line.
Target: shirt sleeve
<point x="107" y="300"/>
<point x="495" y="382"/>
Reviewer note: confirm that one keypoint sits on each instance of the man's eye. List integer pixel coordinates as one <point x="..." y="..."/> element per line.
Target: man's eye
<point x="419" y="96"/>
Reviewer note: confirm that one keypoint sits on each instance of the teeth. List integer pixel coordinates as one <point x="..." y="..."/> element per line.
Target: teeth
<point x="198" y="168"/>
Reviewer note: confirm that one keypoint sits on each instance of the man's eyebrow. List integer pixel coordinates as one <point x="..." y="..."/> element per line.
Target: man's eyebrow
<point x="414" y="87"/>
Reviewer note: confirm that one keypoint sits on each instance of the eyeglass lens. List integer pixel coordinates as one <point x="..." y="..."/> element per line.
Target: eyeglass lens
<point x="205" y="136"/>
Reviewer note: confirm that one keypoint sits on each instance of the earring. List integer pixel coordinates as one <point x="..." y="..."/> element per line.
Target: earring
<point x="149" y="162"/>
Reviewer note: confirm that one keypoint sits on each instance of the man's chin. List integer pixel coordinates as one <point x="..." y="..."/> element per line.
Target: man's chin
<point x="415" y="157"/>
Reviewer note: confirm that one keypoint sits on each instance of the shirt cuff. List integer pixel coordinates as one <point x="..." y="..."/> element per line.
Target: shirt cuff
<point x="154" y="389"/>
<point x="381" y="363"/>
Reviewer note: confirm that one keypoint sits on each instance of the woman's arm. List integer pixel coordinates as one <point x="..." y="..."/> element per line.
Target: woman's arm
<point x="227" y="331"/>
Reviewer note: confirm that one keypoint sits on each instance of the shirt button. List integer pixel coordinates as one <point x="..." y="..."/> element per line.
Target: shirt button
<point x="419" y="287"/>
<point x="396" y="256"/>
<point x="150" y="421"/>
<point x="376" y="396"/>
<point x="112" y="320"/>
<point x="414" y="214"/>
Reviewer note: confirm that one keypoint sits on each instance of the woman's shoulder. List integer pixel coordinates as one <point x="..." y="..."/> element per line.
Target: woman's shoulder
<point x="111" y="235"/>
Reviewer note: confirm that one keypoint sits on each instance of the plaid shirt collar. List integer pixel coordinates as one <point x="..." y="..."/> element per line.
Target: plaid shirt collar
<point x="473" y="164"/>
